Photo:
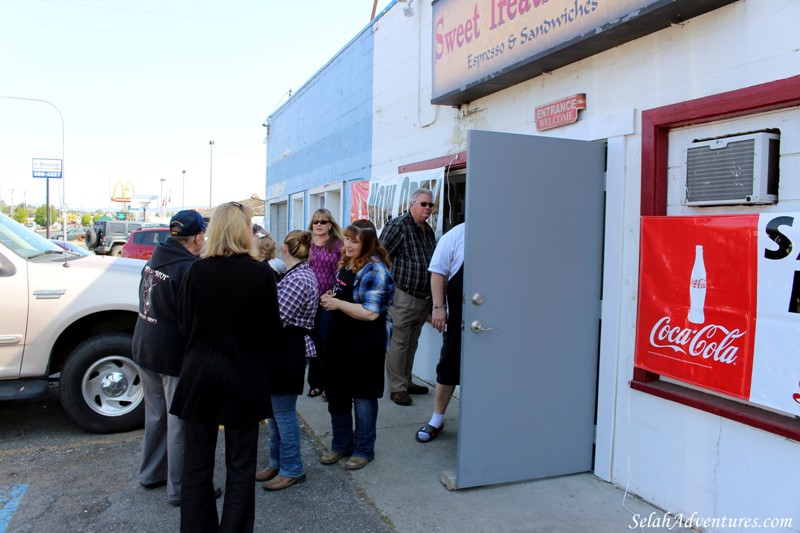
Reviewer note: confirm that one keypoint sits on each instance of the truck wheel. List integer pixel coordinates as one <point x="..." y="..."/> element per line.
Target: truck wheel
<point x="101" y="387"/>
<point x="91" y="237"/>
<point x="116" y="250"/>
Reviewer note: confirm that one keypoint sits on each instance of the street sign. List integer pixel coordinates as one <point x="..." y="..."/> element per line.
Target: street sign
<point x="47" y="168"/>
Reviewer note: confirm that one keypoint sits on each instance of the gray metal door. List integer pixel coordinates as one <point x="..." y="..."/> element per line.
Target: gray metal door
<point x="533" y="255"/>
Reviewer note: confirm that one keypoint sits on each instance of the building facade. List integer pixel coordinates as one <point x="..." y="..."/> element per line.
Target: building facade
<point x="661" y="80"/>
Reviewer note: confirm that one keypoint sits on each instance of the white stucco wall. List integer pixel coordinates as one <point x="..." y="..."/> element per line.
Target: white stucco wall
<point x="681" y="459"/>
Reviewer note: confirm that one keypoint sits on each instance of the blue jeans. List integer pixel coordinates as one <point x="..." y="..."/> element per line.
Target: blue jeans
<point x="361" y="442"/>
<point x="284" y="436"/>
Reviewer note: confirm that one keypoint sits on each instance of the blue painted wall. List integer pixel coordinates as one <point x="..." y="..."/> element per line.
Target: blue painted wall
<point x="323" y="133"/>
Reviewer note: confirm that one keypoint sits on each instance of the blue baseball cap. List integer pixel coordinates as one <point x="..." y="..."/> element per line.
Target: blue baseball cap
<point x="186" y="223"/>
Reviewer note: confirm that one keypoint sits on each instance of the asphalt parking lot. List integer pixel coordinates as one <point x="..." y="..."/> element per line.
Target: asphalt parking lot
<point x="55" y="477"/>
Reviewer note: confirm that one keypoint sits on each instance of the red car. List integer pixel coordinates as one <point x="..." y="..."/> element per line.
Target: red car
<point x="141" y="242"/>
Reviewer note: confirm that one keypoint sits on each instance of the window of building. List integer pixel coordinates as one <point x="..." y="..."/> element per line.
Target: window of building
<point x="278" y="220"/>
<point x="660" y="127"/>
<point x="453" y="200"/>
<point x="298" y="213"/>
<point x="328" y="197"/>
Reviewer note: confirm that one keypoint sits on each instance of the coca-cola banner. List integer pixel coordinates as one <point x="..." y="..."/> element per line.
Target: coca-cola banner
<point x="718" y="304"/>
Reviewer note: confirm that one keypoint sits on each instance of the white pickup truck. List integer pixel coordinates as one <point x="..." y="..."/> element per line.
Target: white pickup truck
<point x="69" y="318"/>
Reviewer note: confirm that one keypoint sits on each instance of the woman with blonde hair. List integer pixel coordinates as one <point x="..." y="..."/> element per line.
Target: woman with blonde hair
<point x="223" y="379"/>
<point x="326" y="250"/>
<point x="297" y="300"/>
<point x="266" y="250"/>
<point x="356" y="346"/>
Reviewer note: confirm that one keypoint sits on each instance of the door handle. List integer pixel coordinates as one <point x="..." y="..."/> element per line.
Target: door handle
<point x="477" y="327"/>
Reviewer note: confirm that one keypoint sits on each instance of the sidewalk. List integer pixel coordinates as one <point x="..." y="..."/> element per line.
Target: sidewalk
<point x="405" y="483"/>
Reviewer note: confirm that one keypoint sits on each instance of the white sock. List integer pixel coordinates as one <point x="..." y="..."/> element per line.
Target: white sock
<point x="436" y="421"/>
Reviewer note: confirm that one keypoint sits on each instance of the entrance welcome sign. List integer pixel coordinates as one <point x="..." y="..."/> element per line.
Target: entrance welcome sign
<point x="388" y="198"/>
<point x="483" y="46"/>
<point x="719" y="304"/>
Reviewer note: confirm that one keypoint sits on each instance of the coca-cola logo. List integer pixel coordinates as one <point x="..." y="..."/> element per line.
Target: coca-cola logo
<point x="711" y="341"/>
<point x="699" y="283"/>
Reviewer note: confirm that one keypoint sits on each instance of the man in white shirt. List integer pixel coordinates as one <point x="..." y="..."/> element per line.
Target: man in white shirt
<point x="447" y="287"/>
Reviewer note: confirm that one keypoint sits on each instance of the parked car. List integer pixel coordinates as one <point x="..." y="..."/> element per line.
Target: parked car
<point x="141" y="243"/>
<point x="73" y="234"/>
<point x="106" y="237"/>
<point x="71" y="247"/>
<point x="71" y="325"/>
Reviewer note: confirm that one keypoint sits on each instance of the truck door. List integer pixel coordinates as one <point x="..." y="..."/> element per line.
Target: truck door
<point x="13" y="313"/>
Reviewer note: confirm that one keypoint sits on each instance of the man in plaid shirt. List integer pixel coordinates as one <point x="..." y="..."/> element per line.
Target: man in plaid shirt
<point x="410" y="241"/>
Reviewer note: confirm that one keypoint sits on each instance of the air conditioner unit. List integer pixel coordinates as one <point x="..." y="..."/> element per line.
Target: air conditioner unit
<point x="733" y="170"/>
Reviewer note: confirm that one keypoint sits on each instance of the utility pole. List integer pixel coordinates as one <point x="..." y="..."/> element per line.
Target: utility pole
<point x="210" y="171"/>
<point x="161" y="198"/>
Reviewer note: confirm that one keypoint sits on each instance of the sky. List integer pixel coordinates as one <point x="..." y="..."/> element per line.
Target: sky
<point x="143" y="87"/>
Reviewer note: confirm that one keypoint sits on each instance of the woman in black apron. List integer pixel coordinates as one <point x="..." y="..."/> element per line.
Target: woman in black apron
<point x="356" y="345"/>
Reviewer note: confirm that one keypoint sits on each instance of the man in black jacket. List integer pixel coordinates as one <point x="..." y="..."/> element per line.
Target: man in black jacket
<point x="158" y="348"/>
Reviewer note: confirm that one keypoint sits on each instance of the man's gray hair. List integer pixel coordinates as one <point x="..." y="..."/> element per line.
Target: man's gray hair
<point x="182" y="240"/>
<point x="421" y="190"/>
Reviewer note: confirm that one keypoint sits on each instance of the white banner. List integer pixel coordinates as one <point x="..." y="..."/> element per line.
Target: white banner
<point x="776" y="356"/>
<point x="389" y="197"/>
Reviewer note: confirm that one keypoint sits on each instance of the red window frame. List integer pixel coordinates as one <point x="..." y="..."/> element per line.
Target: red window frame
<point x="656" y="125"/>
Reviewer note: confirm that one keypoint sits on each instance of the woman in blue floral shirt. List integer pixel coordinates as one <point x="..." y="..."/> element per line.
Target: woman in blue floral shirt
<point x="356" y="345"/>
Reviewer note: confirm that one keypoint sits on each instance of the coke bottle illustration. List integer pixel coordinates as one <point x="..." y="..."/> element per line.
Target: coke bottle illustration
<point x="697" y="288"/>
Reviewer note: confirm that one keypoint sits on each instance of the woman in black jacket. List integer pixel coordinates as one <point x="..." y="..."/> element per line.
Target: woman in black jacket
<point x="224" y="375"/>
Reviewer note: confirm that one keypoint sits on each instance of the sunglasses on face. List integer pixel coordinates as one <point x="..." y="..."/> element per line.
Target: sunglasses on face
<point x="426" y="204"/>
<point x="321" y="222"/>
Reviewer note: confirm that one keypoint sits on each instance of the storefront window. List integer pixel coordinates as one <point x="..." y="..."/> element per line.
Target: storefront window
<point x="656" y="126"/>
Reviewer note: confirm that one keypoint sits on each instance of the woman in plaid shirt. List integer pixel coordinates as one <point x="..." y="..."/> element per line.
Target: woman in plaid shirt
<point x="356" y="346"/>
<point x="297" y="301"/>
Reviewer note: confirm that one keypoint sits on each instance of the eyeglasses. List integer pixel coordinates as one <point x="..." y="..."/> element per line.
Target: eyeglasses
<point x="237" y="204"/>
<point x="426" y="204"/>
<point x="320" y="221"/>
